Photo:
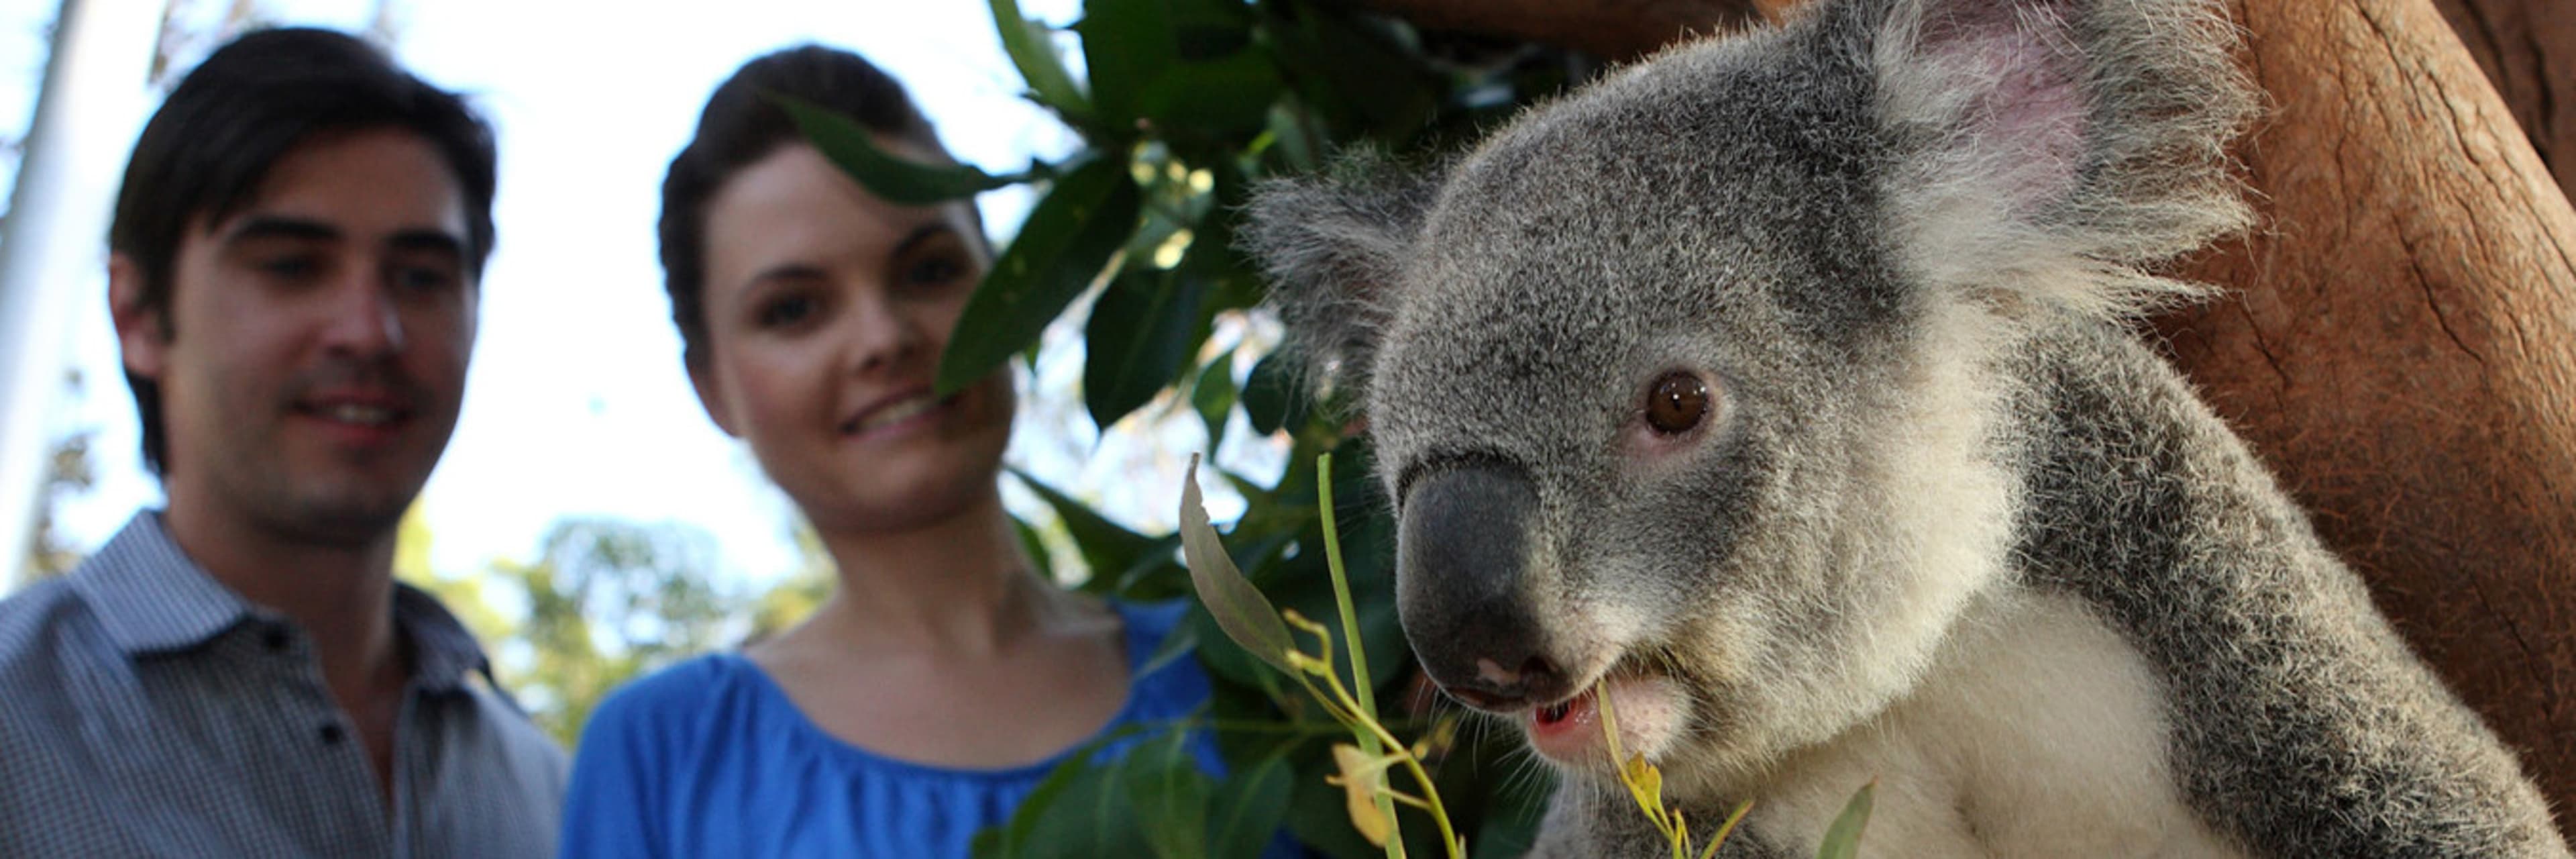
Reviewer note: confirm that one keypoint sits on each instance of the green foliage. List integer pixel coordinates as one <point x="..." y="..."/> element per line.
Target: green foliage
<point x="1183" y="105"/>
<point x="604" y="601"/>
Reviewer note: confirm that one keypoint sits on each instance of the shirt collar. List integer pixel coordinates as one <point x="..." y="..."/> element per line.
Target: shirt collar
<point x="444" y="654"/>
<point x="151" y="598"/>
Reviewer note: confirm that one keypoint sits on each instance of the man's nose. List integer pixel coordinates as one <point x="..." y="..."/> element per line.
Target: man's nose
<point x="364" y="320"/>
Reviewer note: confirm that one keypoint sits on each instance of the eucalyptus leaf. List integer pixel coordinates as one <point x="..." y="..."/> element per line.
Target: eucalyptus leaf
<point x="1107" y="547"/>
<point x="1212" y="394"/>
<point x="1245" y="814"/>
<point x="1138" y="338"/>
<point x="1170" y="796"/>
<point x="1267" y="396"/>
<point x="1068" y="238"/>
<point x="1034" y="54"/>
<point x="853" y="148"/>
<point x="1240" y="610"/>
<point x="1842" y="839"/>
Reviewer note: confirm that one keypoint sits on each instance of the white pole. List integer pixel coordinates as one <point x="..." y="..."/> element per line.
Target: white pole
<point x="55" y="241"/>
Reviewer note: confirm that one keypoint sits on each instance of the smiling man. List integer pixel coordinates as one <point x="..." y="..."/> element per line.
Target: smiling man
<point x="295" y="269"/>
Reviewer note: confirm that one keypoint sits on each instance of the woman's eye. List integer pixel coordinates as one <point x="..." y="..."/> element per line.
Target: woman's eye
<point x="932" y="271"/>
<point x="787" y="311"/>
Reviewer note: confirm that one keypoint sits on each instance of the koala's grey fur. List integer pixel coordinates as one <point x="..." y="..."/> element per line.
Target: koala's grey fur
<point x="1949" y="500"/>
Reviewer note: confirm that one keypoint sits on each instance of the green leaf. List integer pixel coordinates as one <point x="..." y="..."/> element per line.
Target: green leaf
<point x="1030" y="49"/>
<point x="1138" y="337"/>
<point x="1269" y="398"/>
<point x="1067" y="239"/>
<point x="1842" y="839"/>
<point x="1092" y="816"/>
<point x="1220" y="100"/>
<point x="1239" y="608"/>
<point x="1015" y="838"/>
<point x="853" y="148"/>
<point x="1213" y="396"/>
<point x="1248" y="807"/>
<point x="1170" y="796"/>
<point x="1107" y="547"/>
<point x="1180" y="63"/>
<point x="1035" y="547"/>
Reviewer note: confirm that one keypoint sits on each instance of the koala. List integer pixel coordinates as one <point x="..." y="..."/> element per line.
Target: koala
<point x="1785" y="389"/>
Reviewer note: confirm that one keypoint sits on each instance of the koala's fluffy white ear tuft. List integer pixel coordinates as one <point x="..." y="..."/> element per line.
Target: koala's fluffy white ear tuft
<point x="1334" y="247"/>
<point x="2061" y="143"/>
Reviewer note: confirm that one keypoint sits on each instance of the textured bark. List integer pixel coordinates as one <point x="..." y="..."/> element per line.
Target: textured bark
<point x="2398" y="341"/>
<point x="2528" y="50"/>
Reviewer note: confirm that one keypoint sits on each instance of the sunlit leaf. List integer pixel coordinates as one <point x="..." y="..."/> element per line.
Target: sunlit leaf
<point x="1239" y="608"/>
<point x="1034" y="54"/>
<point x="851" y="147"/>
<point x="1727" y="830"/>
<point x="1362" y="779"/>
<point x="1842" y="839"/>
<point x="1068" y="238"/>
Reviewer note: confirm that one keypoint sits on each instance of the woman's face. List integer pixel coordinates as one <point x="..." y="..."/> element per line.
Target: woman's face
<point x="826" y="312"/>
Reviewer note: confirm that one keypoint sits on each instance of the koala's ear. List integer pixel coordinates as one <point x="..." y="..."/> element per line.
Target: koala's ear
<point x="1333" y="248"/>
<point x="2060" y="143"/>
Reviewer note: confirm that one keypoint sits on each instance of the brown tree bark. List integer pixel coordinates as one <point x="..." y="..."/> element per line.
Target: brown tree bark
<point x="2398" y="341"/>
<point x="2528" y="50"/>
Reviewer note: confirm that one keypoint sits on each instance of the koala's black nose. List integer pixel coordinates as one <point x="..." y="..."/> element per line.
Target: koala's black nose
<point x="1463" y="568"/>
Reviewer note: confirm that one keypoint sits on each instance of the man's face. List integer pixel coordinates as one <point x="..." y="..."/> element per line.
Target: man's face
<point x="318" y="339"/>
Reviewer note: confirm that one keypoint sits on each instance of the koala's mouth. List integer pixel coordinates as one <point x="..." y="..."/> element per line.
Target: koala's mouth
<point x="1650" y="710"/>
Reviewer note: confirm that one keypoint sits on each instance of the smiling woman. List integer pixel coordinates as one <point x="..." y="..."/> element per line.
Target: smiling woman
<point x="944" y="677"/>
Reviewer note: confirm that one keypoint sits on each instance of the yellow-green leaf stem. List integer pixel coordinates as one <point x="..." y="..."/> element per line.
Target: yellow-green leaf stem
<point x="1367" y="698"/>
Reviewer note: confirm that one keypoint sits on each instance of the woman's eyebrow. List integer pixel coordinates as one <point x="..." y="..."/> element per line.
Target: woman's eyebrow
<point x="921" y="234"/>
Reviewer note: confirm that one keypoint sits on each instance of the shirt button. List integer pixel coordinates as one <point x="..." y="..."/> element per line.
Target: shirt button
<point x="275" y="640"/>
<point x="332" y="734"/>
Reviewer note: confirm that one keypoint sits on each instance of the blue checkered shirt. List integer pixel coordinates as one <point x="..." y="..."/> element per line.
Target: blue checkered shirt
<point x="147" y="710"/>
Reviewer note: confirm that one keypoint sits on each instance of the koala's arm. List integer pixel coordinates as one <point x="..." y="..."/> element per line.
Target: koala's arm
<point x="2300" y="722"/>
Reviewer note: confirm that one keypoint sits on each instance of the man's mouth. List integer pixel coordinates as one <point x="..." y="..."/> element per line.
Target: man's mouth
<point x="352" y="413"/>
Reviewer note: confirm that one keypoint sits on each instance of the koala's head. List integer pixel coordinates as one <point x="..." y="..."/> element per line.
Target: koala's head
<point x="1685" y="384"/>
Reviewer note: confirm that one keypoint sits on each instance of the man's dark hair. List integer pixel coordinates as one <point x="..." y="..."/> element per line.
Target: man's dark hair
<point x="742" y="125"/>
<point x="209" y="147"/>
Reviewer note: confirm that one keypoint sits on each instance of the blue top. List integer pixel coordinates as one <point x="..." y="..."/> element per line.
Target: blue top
<point x="710" y="758"/>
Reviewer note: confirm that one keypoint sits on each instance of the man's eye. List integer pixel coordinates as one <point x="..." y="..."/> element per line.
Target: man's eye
<point x="298" y="267"/>
<point x="424" y="278"/>
<point x="787" y="311"/>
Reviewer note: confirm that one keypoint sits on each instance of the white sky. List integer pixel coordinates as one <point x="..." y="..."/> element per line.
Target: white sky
<point x="577" y="404"/>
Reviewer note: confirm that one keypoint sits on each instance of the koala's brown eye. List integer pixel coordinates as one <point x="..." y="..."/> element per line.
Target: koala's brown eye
<point x="1678" y="402"/>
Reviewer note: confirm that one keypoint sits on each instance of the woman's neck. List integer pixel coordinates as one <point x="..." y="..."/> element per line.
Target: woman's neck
<point x="960" y="586"/>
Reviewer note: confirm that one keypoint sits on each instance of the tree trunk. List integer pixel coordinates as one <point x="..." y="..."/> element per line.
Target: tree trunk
<point x="2398" y="340"/>
<point x="2528" y="50"/>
